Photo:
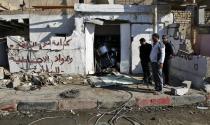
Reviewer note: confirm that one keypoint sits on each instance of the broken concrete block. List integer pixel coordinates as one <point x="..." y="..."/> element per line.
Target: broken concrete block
<point x="4" y="83"/>
<point x="187" y="84"/>
<point x="179" y="91"/>
<point x="207" y="88"/>
<point x="1" y="73"/>
<point x="24" y="87"/>
<point x="16" y="81"/>
<point x="7" y="72"/>
<point x="51" y="81"/>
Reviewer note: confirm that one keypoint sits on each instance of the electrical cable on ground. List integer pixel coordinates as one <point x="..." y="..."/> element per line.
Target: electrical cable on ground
<point x="117" y="114"/>
<point x="33" y="122"/>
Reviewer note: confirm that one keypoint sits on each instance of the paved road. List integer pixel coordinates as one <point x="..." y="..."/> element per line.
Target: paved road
<point x="147" y="116"/>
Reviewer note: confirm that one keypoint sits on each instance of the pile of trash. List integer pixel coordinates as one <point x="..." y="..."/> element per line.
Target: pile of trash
<point x="31" y="81"/>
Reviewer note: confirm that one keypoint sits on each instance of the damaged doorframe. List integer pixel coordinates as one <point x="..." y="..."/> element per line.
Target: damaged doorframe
<point x="125" y="40"/>
<point x="89" y="51"/>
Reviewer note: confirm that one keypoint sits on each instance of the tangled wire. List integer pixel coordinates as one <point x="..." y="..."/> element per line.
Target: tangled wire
<point x="118" y="113"/>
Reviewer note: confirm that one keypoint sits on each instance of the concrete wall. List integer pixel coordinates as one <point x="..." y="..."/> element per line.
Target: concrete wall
<point x="139" y="31"/>
<point x="193" y="68"/>
<point x="61" y="55"/>
<point x="204" y="45"/>
<point x="42" y="27"/>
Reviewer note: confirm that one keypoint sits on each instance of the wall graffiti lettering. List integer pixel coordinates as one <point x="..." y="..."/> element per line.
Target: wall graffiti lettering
<point x="53" y="56"/>
<point x="55" y="43"/>
<point x="63" y="59"/>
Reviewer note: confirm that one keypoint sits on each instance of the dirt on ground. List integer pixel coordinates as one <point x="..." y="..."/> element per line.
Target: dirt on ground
<point x="187" y="115"/>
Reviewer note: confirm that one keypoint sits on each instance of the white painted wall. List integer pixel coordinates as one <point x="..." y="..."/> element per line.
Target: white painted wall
<point x="141" y="31"/>
<point x="42" y="27"/>
<point x="125" y="38"/>
<point x="66" y="58"/>
<point x="89" y="42"/>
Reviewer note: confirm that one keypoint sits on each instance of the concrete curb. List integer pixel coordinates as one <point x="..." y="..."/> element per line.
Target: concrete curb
<point x="187" y="99"/>
<point x="154" y="101"/>
<point x="81" y="104"/>
<point x="8" y="105"/>
<point x="37" y="105"/>
<point x="74" y="104"/>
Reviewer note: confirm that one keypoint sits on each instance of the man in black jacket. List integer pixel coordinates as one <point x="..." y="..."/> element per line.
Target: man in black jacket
<point x="145" y="50"/>
<point x="169" y="54"/>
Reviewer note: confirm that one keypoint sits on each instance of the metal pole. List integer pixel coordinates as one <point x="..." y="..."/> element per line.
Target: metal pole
<point x="194" y="27"/>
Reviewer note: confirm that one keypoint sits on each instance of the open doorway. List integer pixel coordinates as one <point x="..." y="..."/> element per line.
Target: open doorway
<point x="107" y="48"/>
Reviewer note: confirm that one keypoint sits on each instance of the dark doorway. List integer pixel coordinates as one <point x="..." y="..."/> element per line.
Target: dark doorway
<point x="107" y="48"/>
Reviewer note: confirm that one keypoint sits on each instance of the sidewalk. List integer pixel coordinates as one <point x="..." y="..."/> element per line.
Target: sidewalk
<point x="47" y="98"/>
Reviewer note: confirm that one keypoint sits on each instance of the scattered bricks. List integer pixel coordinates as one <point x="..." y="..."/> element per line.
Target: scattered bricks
<point x="155" y="101"/>
<point x="72" y="104"/>
<point x="9" y="105"/>
<point x="187" y="99"/>
<point x="37" y="105"/>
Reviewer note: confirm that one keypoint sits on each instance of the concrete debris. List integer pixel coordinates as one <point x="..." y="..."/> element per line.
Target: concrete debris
<point x="207" y="88"/>
<point x="73" y="93"/>
<point x="183" y="89"/>
<point x="4" y="113"/>
<point x="32" y="81"/>
<point x="4" y="83"/>
<point x="51" y="81"/>
<point x="187" y="84"/>
<point x="1" y="73"/>
<point x="16" y="80"/>
<point x="69" y="78"/>
<point x="179" y="91"/>
<point x="24" y="87"/>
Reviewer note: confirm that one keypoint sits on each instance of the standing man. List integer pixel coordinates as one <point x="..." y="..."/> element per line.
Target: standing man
<point x="157" y="57"/>
<point x="145" y="50"/>
<point x="169" y="54"/>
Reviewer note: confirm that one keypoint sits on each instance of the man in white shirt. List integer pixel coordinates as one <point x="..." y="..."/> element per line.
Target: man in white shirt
<point x="157" y="57"/>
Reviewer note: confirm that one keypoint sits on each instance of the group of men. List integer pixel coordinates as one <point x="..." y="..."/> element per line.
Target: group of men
<point x="156" y="55"/>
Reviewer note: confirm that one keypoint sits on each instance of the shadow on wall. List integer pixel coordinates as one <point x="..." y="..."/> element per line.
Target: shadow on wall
<point x="42" y="27"/>
<point x="141" y="31"/>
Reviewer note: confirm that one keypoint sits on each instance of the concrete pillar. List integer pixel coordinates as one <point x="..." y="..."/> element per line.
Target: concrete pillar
<point x="125" y="35"/>
<point x="155" y="17"/>
<point x="89" y="42"/>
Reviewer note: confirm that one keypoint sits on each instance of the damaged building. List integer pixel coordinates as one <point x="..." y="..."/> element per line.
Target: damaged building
<point x="89" y="37"/>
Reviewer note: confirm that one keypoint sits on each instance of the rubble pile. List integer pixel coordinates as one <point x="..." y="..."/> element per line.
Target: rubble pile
<point x="31" y="81"/>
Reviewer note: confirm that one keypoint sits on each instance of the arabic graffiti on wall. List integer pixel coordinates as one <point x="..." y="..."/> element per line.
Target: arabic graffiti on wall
<point x="55" y="43"/>
<point x="53" y="56"/>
